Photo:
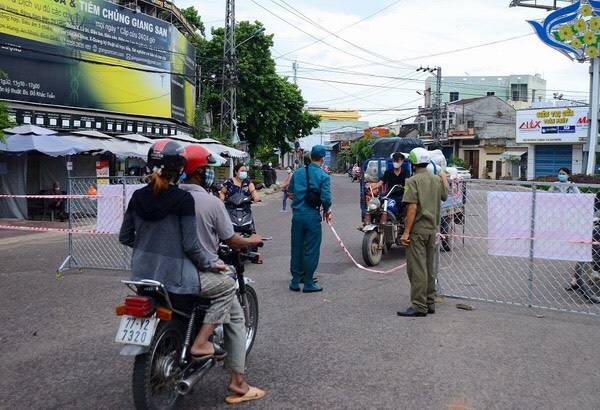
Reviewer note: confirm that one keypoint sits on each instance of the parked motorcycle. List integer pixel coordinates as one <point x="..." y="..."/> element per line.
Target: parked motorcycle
<point x="382" y="226"/>
<point x="354" y="175"/>
<point x="158" y="328"/>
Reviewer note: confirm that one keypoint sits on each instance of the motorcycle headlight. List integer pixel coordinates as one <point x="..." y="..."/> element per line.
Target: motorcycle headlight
<point x="373" y="204"/>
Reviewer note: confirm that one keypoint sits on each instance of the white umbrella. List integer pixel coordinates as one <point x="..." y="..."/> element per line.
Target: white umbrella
<point x="92" y="134"/>
<point x="135" y="137"/>
<point x="46" y="144"/>
<point x="29" y="129"/>
<point x="219" y="148"/>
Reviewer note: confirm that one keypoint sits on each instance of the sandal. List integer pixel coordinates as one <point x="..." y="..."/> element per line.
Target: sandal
<point x="252" y="394"/>
<point x="219" y="354"/>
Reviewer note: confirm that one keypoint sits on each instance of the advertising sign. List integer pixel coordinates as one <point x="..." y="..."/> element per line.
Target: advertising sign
<point x="552" y="125"/>
<point x="95" y="54"/>
<point x="102" y="171"/>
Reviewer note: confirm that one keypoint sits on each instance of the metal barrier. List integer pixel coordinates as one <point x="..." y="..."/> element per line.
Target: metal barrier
<point x="94" y="223"/>
<point x="521" y="244"/>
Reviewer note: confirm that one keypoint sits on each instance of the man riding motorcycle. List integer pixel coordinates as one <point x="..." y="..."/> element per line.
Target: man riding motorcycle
<point x="213" y="225"/>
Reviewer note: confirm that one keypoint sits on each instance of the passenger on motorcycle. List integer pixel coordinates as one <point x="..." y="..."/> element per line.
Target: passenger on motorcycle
<point x="160" y="226"/>
<point x="213" y="226"/>
<point x="395" y="176"/>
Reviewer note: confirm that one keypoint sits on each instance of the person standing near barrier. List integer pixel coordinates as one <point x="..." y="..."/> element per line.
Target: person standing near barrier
<point x="284" y="187"/>
<point x="213" y="226"/>
<point x="423" y="197"/>
<point x="309" y="189"/>
<point x="564" y="185"/>
<point x="160" y="225"/>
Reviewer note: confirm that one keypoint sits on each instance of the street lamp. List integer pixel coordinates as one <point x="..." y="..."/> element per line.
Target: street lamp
<point x="229" y="90"/>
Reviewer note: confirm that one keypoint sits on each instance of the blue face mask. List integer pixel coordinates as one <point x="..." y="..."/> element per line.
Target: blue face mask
<point x="562" y="177"/>
<point x="243" y="175"/>
<point x="181" y="178"/>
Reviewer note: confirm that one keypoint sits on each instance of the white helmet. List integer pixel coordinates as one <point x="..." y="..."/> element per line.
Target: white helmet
<point x="419" y="156"/>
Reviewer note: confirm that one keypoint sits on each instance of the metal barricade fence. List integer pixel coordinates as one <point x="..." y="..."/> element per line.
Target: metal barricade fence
<point x="521" y="244"/>
<point x="94" y="223"/>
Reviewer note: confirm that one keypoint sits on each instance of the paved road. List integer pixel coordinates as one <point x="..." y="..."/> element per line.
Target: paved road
<point x="340" y="349"/>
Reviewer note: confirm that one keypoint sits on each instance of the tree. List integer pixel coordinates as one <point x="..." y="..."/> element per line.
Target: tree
<point x="270" y="109"/>
<point x="5" y="121"/>
<point x="363" y="148"/>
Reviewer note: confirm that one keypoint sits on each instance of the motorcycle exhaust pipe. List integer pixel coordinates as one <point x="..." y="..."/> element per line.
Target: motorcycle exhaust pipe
<point x="184" y="386"/>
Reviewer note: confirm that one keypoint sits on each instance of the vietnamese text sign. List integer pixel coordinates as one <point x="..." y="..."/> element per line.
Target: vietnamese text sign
<point x="562" y="228"/>
<point x="95" y="54"/>
<point x="552" y="125"/>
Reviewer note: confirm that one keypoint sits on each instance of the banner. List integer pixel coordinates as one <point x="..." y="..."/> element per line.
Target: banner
<point x="95" y="54"/>
<point x="553" y="125"/>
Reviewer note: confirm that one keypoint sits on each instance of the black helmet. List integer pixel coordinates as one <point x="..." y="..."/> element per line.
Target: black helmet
<point x="166" y="154"/>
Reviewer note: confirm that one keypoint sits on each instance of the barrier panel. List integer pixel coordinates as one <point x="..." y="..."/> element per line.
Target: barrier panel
<point x="522" y="244"/>
<point x="97" y="206"/>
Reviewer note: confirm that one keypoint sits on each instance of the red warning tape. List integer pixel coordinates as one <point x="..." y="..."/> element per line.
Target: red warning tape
<point x="37" y="229"/>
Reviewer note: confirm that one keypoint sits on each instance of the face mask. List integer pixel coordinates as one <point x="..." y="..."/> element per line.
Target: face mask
<point x="131" y="172"/>
<point x="397" y="165"/>
<point x="209" y="177"/>
<point x="57" y="189"/>
<point x="181" y="178"/>
<point x="243" y="175"/>
<point x="270" y="164"/>
<point x="562" y="177"/>
<point x="289" y="171"/>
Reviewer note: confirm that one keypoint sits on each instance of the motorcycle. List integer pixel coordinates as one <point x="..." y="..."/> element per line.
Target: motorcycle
<point x="354" y="175"/>
<point x="158" y="328"/>
<point x="382" y="226"/>
<point x="240" y="213"/>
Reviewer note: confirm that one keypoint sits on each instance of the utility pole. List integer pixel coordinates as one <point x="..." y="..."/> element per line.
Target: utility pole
<point x="295" y="68"/>
<point x="437" y="106"/>
<point x="229" y="89"/>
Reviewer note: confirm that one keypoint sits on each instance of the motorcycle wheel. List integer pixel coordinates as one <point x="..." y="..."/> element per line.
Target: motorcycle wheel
<point x="370" y="248"/>
<point x="589" y="283"/>
<point x="252" y="301"/>
<point x="155" y="373"/>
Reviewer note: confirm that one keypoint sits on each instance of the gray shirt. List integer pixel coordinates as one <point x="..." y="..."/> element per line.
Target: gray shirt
<point x="212" y="220"/>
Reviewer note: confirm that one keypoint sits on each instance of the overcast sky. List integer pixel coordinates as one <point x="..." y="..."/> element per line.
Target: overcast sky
<point x="356" y="54"/>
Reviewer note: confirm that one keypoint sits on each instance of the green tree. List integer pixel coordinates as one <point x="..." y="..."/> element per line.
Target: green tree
<point x="5" y="121"/>
<point x="192" y="16"/>
<point x="270" y="109"/>
<point x="363" y="148"/>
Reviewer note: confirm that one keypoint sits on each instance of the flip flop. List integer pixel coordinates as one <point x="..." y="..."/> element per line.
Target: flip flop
<point x="252" y="394"/>
<point x="219" y="354"/>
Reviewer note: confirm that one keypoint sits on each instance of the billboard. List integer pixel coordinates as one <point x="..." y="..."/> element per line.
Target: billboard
<point x="95" y="54"/>
<point x="553" y="125"/>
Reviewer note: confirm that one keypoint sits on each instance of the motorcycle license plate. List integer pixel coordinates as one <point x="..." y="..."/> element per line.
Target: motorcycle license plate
<point x="135" y="330"/>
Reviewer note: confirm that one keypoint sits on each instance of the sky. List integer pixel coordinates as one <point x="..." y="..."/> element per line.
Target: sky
<point x="363" y="55"/>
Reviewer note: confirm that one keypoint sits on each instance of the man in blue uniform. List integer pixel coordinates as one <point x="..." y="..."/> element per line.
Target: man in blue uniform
<point x="306" y="219"/>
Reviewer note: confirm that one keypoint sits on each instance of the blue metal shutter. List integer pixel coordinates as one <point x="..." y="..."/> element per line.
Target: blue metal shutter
<point x="549" y="158"/>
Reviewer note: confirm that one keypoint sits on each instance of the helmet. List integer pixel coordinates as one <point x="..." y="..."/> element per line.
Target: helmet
<point x="166" y="154"/>
<point x="197" y="157"/>
<point x="419" y="156"/>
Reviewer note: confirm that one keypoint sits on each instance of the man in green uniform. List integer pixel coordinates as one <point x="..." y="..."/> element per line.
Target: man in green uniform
<point x="423" y="197"/>
<point x="306" y="219"/>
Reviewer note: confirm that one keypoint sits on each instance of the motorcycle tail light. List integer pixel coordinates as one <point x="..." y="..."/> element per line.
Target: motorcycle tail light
<point x="163" y="313"/>
<point x="138" y="306"/>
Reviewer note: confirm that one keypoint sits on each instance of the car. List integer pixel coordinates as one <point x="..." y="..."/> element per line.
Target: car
<point x="459" y="172"/>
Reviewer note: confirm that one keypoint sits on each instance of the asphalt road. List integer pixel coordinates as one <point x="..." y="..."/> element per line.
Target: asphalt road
<point x="343" y="348"/>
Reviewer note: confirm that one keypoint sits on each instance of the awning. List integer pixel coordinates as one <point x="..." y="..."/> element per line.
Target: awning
<point x="512" y="154"/>
<point x="329" y="146"/>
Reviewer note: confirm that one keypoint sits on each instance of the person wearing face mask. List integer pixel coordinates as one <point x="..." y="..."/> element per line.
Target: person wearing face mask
<point x="564" y="184"/>
<point x="57" y="204"/>
<point x="213" y="226"/>
<point x="239" y="183"/>
<point x="284" y="187"/>
<point x="395" y="176"/>
<point x="309" y="190"/>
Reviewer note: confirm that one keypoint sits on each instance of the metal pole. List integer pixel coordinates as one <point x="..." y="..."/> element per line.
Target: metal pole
<point x="593" y="128"/>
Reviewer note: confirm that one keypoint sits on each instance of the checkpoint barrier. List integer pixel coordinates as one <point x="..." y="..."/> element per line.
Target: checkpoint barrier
<point x="97" y="205"/>
<point x="520" y="244"/>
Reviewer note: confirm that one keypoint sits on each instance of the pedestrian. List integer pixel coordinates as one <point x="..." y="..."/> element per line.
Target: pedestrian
<point x="213" y="225"/>
<point x="423" y="197"/>
<point x="309" y="190"/>
<point x="284" y="187"/>
<point x="564" y="185"/>
<point x="160" y="225"/>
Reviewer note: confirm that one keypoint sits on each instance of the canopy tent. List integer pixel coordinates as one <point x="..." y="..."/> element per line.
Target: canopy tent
<point x="219" y="148"/>
<point x="48" y="144"/>
<point x="98" y="141"/>
<point x="29" y="129"/>
<point x="135" y="137"/>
